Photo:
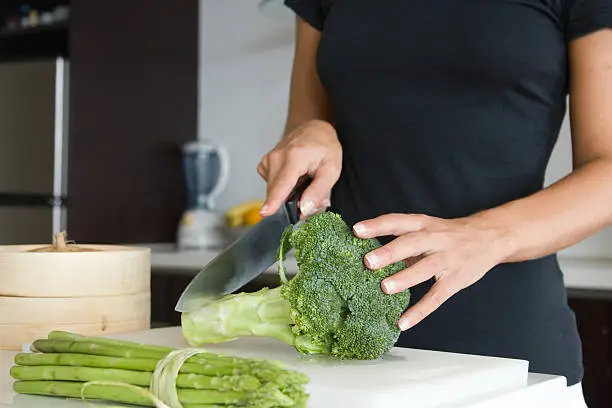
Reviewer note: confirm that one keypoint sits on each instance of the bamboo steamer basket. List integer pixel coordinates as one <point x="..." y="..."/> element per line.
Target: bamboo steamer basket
<point x="88" y="289"/>
<point x="27" y="319"/>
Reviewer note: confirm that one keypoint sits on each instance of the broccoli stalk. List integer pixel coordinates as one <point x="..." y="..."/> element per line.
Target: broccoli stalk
<point x="334" y="305"/>
<point x="263" y="313"/>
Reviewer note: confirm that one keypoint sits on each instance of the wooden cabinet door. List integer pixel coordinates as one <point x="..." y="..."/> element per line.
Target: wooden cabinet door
<point x="594" y="316"/>
<point x="133" y="90"/>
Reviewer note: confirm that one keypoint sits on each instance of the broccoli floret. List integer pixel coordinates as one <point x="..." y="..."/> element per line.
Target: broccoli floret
<point x="334" y="304"/>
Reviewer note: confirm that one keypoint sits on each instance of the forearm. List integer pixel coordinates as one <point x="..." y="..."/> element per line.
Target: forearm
<point x="307" y="97"/>
<point x="556" y="217"/>
<point x="307" y="100"/>
<point x="306" y="108"/>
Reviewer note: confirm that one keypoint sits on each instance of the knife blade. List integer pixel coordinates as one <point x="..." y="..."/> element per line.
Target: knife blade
<point x="244" y="260"/>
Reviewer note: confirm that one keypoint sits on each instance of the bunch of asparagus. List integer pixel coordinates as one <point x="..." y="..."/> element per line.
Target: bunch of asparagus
<point x="63" y="362"/>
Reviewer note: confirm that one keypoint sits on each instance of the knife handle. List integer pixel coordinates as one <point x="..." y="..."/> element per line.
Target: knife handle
<point x="301" y="185"/>
<point x="291" y="204"/>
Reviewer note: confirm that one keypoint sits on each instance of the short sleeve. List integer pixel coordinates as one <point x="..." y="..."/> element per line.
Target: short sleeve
<point x="311" y="11"/>
<point x="587" y="16"/>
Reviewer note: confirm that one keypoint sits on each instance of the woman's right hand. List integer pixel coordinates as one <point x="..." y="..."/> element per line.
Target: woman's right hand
<point x="312" y="149"/>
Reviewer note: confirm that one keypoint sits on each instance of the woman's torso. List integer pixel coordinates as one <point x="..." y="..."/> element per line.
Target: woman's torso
<point x="447" y="108"/>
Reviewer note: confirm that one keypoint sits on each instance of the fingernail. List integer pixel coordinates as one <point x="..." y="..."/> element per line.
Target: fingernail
<point x="326" y="203"/>
<point x="372" y="259"/>
<point x="403" y="324"/>
<point x="388" y="286"/>
<point x="359" y="228"/>
<point x="263" y="210"/>
<point x="307" y="208"/>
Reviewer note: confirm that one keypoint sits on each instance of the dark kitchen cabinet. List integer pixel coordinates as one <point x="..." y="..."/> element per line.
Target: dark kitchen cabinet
<point x="594" y="316"/>
<point x="134" y="76"/>
<point x="133" y="85"/>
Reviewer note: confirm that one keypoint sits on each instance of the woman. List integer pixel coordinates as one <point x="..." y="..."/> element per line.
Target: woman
<point x="430" y="125"/>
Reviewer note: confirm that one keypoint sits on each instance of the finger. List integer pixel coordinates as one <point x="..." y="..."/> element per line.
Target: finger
<point x="280" y="185"/>
<point x="327" y="200"/>
<point x="321" y="208"/>
<point x="426" y="268"/>
<point x="439" y="293"/>
<point x="391" y="224"/>
<point x="317" y="194"/>
<point x="402" y="247"/>
<point x="262" y="170"/>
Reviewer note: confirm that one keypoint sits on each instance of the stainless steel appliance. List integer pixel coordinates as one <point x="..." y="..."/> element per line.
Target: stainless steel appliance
<point x="206" y="168"/>
<point x="33" y="149"/>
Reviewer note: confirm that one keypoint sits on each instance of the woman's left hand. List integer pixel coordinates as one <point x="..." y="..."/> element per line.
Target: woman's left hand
<point x="456" y="252"/>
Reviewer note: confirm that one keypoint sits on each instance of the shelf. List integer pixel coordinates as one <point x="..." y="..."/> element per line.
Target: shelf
<point x="34" y="43"/>
<point x="24" y="32"/>
<point x="49" y="38"/>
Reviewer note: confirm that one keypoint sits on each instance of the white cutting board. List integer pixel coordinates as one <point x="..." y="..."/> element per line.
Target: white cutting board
<point x="403" y="378"/>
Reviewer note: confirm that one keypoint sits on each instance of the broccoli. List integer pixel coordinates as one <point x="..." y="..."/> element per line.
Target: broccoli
<point x="334" y="305"/>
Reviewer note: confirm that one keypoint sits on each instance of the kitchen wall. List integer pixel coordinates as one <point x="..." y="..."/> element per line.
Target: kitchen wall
<point x="244" y="72"/>
<point x="245" y="69"/>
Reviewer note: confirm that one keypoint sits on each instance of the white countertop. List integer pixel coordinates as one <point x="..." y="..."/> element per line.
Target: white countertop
<point x="416" y="377"/>
<point x="579" y="273"/>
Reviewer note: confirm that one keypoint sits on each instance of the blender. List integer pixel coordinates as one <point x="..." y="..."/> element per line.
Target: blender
<point x="206" y="170"/>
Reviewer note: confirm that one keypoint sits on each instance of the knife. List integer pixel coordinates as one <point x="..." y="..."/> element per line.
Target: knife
<point x="245" y="259"/>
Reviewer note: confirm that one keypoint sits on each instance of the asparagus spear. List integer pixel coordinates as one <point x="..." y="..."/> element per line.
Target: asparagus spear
<point x="140" y="348"/>
<point x="85" y="360"/>
<point x="64" y="351"/>
<point x="118" y="348"/>
<point x="233" y="365"/>
<point x="68" y="336"/>
<point x="159" y="351"/>
<point x="138" y="364"/>
<point x="281" y="379"/>
<point x="142" y="378"/>
<point x="118" y="393"/>
<point x="72" y="389"/>
<point x="81" y="347"/>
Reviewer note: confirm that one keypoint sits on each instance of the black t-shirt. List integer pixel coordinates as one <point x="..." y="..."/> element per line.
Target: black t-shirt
<point x="448" y="107"/>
